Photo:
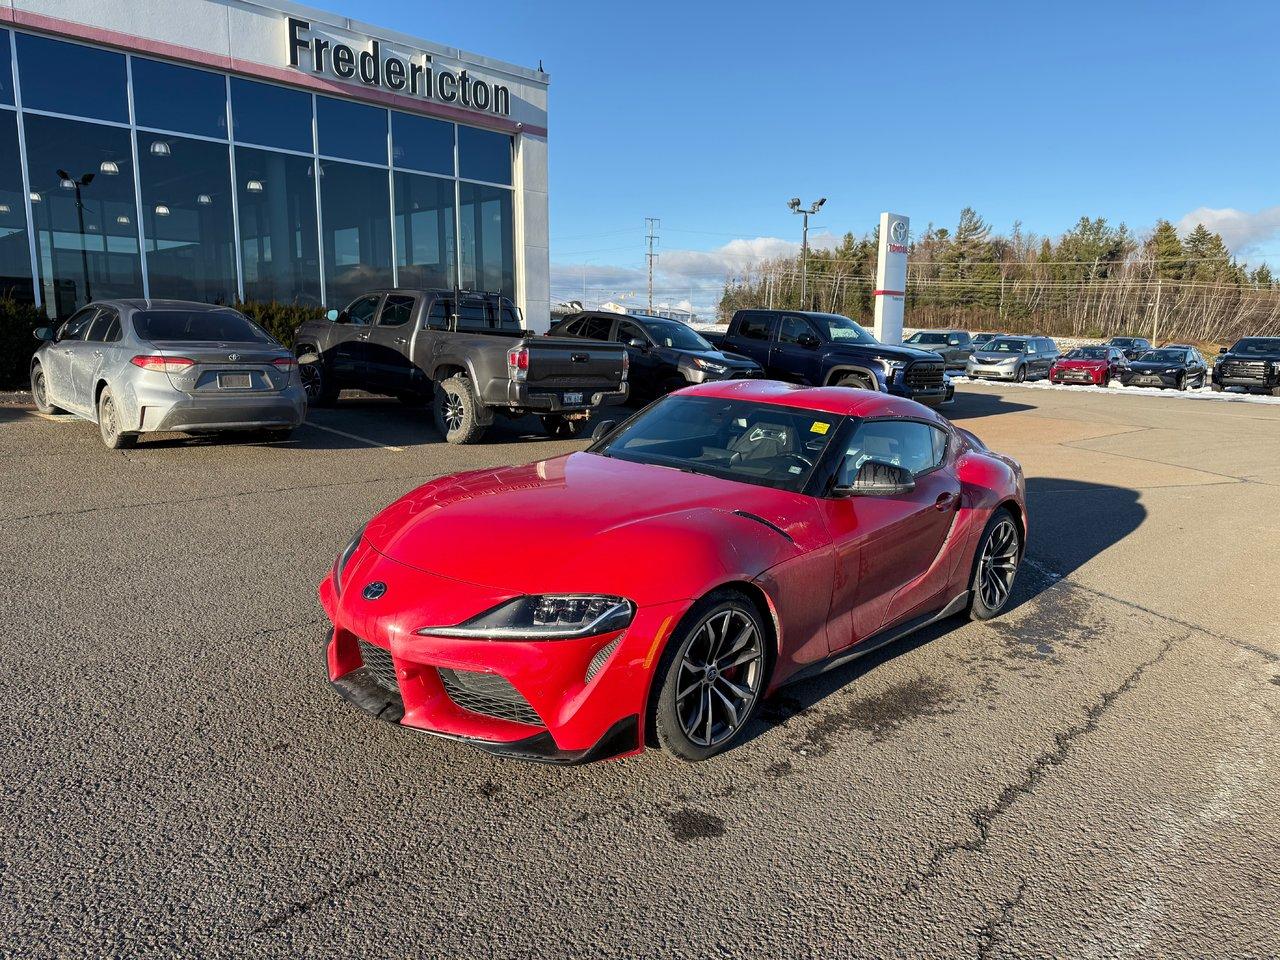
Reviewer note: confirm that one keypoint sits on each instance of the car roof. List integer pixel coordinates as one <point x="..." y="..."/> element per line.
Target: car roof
<point x="842" y="401"/>
<point x="139" y="303"/>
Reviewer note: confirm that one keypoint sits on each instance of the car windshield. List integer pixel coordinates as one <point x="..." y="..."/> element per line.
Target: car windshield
<point x="1121" y="341"/>
<point x="1164" y="356"/>
<point x="226" y="326"/>
<point x="927" y="338"/>
<point x="1006" y="345"/>
<point x="841" y="328"/>
<point x="757" y="443"/>
<point x="1258" y="345"/>
<point x="1087" y="353"/>
<point x="676" y="336"/>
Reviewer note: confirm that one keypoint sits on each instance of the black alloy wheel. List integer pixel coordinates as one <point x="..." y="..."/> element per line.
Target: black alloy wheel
<point x="996" y="566"/>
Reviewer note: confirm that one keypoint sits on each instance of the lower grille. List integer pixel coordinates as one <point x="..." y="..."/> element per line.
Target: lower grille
<point x="925" y="376"/>
<point x="488" y="694"/>
<point x="379" y="663"/>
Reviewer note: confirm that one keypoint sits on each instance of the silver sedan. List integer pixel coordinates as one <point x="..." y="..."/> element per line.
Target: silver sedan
<point x="152" y="366"/>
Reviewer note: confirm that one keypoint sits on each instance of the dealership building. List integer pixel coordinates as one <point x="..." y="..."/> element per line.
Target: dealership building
<point x="224" y="150"/>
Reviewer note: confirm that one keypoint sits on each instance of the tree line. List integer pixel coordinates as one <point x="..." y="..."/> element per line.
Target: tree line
<point x="1095" y="280"/>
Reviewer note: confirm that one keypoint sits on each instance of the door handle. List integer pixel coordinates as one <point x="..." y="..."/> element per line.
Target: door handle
<point x="946" y="501"/>
<point x="402" y="339"/>
<point x="362" y="336"/>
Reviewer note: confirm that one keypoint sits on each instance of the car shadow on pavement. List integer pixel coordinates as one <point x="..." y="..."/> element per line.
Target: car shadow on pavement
<point x="1071" y="522"/>
<point x="967" y="406"/>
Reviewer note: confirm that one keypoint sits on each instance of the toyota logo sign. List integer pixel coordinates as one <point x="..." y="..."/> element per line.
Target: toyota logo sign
<point x="898" y="231"/>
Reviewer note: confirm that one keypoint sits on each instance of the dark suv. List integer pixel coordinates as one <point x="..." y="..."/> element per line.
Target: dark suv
<point x="1252" y="363"/>
<point x="954" y="346"/>
<point x="665" y="354"/>
<point x="1131" y="347"/>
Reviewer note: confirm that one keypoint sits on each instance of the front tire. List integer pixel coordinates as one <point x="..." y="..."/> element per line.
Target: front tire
<point x="1020" y="376"/>
<point x="1215" y="387"/>
<point x="995" y="566"/>
<point x="856" y="381"/>
<point x="457" y="411"/>
<point x="109" y="424"/>
<point x="711" y="677"/>
<point x="40" y="391"/>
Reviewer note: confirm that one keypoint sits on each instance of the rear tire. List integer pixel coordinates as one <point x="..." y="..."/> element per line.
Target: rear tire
<point x="711" y="678"/>
<point x="995" y="566"/>
<point x="1215" y="387"/>
<point x="1275" y="391"/>
<point x="318" y="380"/>
<point x="109" y="425"/>
<point x="457" y="411"/>
<point x="40" y="391"/>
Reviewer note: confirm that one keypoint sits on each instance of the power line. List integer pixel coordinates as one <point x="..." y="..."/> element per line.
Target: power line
<point x="650" y="225"/>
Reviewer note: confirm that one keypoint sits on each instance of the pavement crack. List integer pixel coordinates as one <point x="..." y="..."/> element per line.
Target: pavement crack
<point x="984" y="818"/>
<point x="299" y="907"/>
<point x="993" y="928"/>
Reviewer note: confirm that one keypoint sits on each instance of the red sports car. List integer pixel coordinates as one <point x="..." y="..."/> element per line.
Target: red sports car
<point x="725" y="540"/>
<point x="1090" y="365"/>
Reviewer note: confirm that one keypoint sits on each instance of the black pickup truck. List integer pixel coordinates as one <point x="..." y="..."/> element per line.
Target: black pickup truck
<point x="826" y="349"/>
<point x="467" y="353"/>
<point x="1252" y="363"/>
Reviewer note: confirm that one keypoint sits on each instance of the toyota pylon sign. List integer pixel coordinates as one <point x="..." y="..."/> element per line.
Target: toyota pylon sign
<point x="891" y="277"/>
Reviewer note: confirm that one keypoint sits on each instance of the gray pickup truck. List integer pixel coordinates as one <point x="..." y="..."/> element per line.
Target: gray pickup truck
<point x="466" y="353"/>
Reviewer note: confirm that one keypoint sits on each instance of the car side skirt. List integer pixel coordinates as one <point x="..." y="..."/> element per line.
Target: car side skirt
<point x="878" y="640"/>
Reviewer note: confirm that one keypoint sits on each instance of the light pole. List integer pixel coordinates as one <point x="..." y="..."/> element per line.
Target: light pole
<point x="794" y="204"/>
<point x="70" y="183"/>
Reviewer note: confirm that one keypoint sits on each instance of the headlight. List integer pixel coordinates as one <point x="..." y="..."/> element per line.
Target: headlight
<point x="549" y="616"/>
<point x="1172" y="370"/>
<point x="892" y="366"/>
<point x="708" y="365"/>
<point x="1005" y="360"/>
<point x="344" y="558"/>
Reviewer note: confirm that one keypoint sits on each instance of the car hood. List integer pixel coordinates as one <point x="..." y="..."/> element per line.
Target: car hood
<point x="587" y="523"/>
<point x="992" y="356"/>
<point x="735" y="360"/>
<point x="1248" y="357"/>
<point x="883" y="351"/>
<point x="1085" y="364"/>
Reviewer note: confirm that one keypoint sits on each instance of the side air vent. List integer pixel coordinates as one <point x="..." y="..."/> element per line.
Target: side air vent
<point x="601" y="658"/>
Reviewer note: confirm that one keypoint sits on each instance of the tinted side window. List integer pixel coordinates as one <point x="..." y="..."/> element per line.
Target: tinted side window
<point x="508" y="318"/>
<point x="628" y="331"/>
<point x="103" y="326"/>
<point x="471" y="315"/>
<point x="961" y="338"/>
<point x="361" y="311"/>
<point x="596" y="328"/>
<point x="569" y="329"/>
<point x="438" y="317"/>
<point x="916" y="446"/>
<point x="396" y="311"/>
<point x="75" y="327"/>
<point x="793" y="330"/>
<point x="754" y="328"/>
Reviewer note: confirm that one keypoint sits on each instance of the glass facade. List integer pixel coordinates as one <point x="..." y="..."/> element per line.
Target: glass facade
<point x="163" y="180"/>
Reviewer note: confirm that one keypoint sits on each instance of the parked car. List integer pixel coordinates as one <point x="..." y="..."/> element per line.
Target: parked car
<point x="665" y="355"/>
<point x="954" y="346"/>
<point x="1093" y="365"/>
<point x="981" y="339"/>
<point x="466" y="352"/>
<point x="1252" y="363"/>
<point x="1132" y="347"/>
<point x="690" y="543"/>
<point x="1013" y="358"/>
<point x="1176" y="367"/>
<point x="166" y="366"/>
<point x="826" y="349"/>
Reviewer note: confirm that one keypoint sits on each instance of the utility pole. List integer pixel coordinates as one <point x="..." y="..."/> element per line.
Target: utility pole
<point x="651" y="224"/>
<point x="794" y="204"/>
<point x="1155" y="321"/>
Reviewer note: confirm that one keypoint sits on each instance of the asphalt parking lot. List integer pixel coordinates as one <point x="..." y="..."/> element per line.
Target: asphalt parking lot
<point x="1096" y="773"/>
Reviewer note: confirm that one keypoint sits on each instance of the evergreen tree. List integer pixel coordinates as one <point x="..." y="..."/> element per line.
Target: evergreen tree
<point x="1166" y="252"/>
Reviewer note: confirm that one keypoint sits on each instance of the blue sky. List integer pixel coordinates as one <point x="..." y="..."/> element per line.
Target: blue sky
<point x="710" y="115"/>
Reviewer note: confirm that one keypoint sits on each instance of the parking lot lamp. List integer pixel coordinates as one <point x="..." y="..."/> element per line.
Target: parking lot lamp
<point x="71" y="183"/>
<point x="794" y="204"/>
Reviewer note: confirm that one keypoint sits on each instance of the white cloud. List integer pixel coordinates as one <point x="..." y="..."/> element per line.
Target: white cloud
<point x="1242" y="232"/>
<point x="735" y="256"/>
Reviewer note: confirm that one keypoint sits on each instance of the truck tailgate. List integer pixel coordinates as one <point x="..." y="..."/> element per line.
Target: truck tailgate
<point x="558" y="362"/>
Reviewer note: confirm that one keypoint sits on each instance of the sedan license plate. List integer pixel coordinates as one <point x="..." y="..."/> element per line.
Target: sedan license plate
<point x="235" y="381"/>
<point x="571" y="399"/>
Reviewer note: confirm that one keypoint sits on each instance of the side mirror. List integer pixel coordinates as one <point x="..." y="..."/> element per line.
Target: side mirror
<point x="332" y="316"/>
<point x="876" y="478"/>
<point x="637" y="343"/>
<point x="953" y="343"/>
<point x="809" y="341"/>
<point x="1222" y="349"/>
<point x="43" y="334"/>
<point x="603" y="429"/>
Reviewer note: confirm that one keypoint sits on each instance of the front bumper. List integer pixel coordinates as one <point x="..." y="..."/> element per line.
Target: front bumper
<point x="976" y="371"/>
<point x="1077" y="375"/>
<point x="569" y="711"/>
<point x="1147" y="379"/>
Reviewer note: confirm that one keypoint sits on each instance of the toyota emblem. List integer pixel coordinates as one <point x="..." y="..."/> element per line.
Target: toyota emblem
<point x="373" y="591"/>
<point x="898" y="230"/>
<point x="233" y="356"/>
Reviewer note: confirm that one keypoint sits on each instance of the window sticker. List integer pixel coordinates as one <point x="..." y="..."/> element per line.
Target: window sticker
<point x="819" y="427"/>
